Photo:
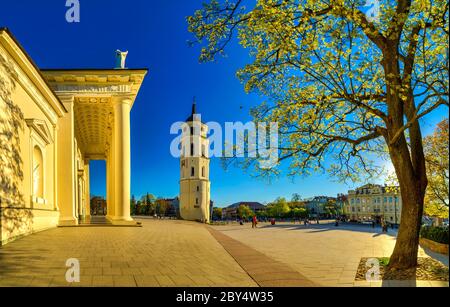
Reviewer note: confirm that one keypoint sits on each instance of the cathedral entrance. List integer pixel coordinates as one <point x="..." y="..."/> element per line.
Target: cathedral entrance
<point x="97" y="180"/>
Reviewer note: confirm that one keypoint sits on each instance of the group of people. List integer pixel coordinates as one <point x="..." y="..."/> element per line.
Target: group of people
<point x="384" y="225"/>
<point x="254" y="221"/>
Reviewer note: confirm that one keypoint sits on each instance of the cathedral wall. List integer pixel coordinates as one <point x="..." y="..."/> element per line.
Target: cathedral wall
<point x="27" y="154"/>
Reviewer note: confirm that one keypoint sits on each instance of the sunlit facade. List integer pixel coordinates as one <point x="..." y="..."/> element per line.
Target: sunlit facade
<point x="52" y="124"/>
<point x="374" y="202"/>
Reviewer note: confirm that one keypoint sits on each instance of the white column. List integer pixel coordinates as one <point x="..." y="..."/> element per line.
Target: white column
<point x="88" y="190"/>
<point x="110" y="181"/>
<point x="122" y="161"/>
<point x="55" y="168"/>
<point x="67" y="176"/>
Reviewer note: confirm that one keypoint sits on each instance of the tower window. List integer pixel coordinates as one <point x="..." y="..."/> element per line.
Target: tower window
<point x="192" y="172"/>
<point x="196" y="201"/>
<point x="203" y="171"/>
<point x="192" y="150"/>
<point x="198" y="189"/>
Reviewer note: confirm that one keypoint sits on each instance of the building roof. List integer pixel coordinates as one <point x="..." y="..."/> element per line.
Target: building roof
<point x="194" y="115"/>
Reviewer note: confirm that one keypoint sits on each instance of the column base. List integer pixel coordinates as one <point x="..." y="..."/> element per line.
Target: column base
<point x="121" y="221"/>
<point x="64" y="222"/>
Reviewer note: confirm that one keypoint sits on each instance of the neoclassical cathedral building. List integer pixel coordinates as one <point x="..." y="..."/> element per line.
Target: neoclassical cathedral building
<point x="52" y="123"/>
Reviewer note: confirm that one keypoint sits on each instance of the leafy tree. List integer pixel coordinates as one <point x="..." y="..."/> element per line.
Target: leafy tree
<point x="217" y="213"/>
<point x="149" y="198"/>
<point x="343" y="87"/>
<point x="436" y="155"/>
<point x="301" y="213"/>
<point x="261" y="214"/>
<point x="161" y="206"/>
<point x="279" y="208"/>
<point x="331" y="208"/>
<point x="245" y="212"/>
<point x="296" y="197"/>
<point x="133" y="205"/>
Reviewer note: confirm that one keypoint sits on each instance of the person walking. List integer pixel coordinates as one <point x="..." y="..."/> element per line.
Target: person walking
<point x="254" y="222"/>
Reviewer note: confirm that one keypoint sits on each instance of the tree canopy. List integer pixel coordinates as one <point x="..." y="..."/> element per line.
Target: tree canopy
<point x="321" y="66"/>
<point x="344" y="88"/>
<point x="436" y="154"/>
<point x="245" y="212"/>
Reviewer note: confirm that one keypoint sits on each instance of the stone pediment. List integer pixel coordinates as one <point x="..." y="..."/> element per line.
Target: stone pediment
<point x="41" y="128"/>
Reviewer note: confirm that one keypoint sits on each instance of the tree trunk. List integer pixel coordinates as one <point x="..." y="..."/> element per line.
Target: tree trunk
<point x="408" y="161"/>
<point x="412" y="186"/>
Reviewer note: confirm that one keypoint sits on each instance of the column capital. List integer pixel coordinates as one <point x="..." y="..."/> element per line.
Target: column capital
<point x="123" y="100"/>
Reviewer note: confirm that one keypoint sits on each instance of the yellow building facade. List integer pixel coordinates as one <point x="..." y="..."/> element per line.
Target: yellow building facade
<point x="52" y="124"/>
<point x="374" y="202"/>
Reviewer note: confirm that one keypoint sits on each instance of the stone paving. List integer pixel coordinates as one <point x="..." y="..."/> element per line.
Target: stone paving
<point x="325" y="254"/>
<point x="264" y="270"/>
<point x="178" y="253"/>
<point x="162" y="253"/>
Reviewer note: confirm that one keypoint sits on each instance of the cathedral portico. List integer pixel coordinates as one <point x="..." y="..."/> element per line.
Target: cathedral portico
<point x="100" y="102"/>
<point x="53" y="123"/>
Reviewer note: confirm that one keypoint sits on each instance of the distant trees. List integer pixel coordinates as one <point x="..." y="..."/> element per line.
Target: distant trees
<point x="279" y="208"/>
<point x="146" y="205"/>
<point x="437" y="160"/>
<point x="161" y="207"/>
<point x="133" y="205"/>
<point x="245" y="212"/>
<point x="331" y="208"/>
<point x="299" y="213"/>
<point x="296" y="197"/>
<point x="217" y="213"/>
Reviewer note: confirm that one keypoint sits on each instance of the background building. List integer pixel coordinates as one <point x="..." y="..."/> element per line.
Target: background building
<point x="98" y="206"/>
<point x="316" y="206"/>
<point x="374" y="202"/>
<point x="231" y="212"/>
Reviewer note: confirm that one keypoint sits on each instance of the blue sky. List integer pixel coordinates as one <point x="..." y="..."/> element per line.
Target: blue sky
<point x="155" y="34"/>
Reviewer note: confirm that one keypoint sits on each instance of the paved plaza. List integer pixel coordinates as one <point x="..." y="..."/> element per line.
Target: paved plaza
<point x="161" y="253"/>
<point x="325" y="254"/>
<point x="178" y="253"/>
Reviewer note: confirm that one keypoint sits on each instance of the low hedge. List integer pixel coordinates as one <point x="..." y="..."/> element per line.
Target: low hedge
<point x="436" y="234"/>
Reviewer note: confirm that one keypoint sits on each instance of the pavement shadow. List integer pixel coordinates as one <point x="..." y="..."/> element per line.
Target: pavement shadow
<point x="315" y="228"/>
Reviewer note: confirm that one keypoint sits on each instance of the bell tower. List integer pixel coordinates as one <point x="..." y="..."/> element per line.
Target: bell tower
<point x="194" y="170"/>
